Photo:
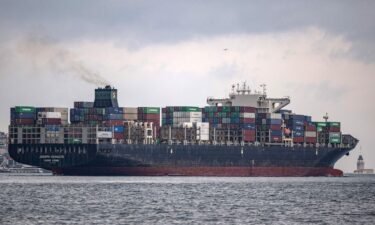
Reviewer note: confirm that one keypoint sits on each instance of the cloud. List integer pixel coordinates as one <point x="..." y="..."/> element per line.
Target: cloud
<point x="140" y="23"/>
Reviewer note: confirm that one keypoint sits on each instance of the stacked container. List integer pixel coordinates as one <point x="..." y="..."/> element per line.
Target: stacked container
<point x="230" y="123"/>
<point x="150" y="114"/>
<point x="328" y="132"/>
<point x="310" y="133"/>
<point x="269" y="127"/>
<point x="89" y="116"/>
<point x="118" y="132"/>
<point x="83" y="105"/>
<point x="176" y="115"/>
<point x="130" y="114"/>
<point x="49" y="118"/>
<point x="113" y="117"/>
<point x="22" y="115"/>
<point x="296" y="123"/>
<point x="50" y="115"/>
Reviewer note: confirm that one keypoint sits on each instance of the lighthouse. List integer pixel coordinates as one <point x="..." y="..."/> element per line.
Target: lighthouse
<point x="361" y="167"/>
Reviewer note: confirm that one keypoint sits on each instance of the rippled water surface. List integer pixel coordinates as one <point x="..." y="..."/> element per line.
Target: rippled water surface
<point x="186" y="200"/>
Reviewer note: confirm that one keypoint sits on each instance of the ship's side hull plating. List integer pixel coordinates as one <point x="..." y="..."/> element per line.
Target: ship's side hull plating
<point x="180" y="160"/>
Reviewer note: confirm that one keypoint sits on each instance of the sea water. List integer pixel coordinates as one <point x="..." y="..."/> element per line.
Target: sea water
<point x="186" y="200"/>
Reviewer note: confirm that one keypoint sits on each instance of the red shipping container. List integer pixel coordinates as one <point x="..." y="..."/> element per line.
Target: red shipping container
<point x="248" y="109"/>
<point x="334" y="129"/>
<point x="248" y="138"/>
<point x="310" y="128"/>
<point x="298" y="139"/>
<point x="51" y="121"/>
<point x="118" y="136"/>
<point x="25" y="121"/>
<point x="248" y="132"/>
<point x="114" y="122"/>
<point x="275" y="127"/>
<point x="247" y="120"/>
<point x="310" y="140"/>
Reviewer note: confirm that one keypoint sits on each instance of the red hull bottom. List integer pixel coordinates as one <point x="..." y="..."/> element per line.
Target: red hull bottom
<point x="203" y="171"/>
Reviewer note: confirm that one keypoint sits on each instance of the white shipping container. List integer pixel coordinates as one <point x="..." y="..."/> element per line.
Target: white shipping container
<point x="203" y="132"/>
<point x="187" y="125"/>
<point x="104" y="134"/>
<point x="203" y="137"/>
<point x="274" y="116"/>
<point x="248" y="115"/>
<point x="49" y="115"/>
<point x="203" y="124"/>
<point x="195" y="120"/>
<point x="196" y="114"/>
<point x="310" y="134"/>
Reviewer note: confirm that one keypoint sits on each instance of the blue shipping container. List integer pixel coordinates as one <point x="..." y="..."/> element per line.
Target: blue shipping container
<point x="25" y="115"/>
<point x="297" y="117"/>
<point x="308" y="118"/>
<point x="119" y="129"/>
<point x="276" y="133"/>
<point x="298" y="134"/>
<point x="248" y="126"/>
<point x="235" y="120"/>
<point x="274" y="121"/>
<point x="52" y="128"/>
<point x="298" y="128"/>
<point x="296" y="122"/>
<point x="114" y="110"/>
<point x="114" y="116"/>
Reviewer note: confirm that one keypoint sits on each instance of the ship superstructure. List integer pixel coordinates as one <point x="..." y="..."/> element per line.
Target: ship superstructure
<point x="242" y="95"/>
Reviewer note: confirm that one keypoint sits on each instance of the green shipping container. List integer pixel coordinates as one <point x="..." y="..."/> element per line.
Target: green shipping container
<point x="235" y="109"/>
<point x="74" y="141"/>
<point x="150" y="110"/>
<point x="334" y="124"/>
<point x="321" y="124"/>
<point x="334" y="140"/>
<point x="225" y="109"/>
<point x="210" y="109"/>
<point x="235" y="115"/>
<point x="191" y="109"/>
<point x="25" y="109"/>
<point x="335" y="135"/>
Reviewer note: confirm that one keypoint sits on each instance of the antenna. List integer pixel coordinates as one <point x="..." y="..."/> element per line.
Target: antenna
<point x="264" y="86"/>
<point x="326" y="117"/>
<point x="233" y="87"/>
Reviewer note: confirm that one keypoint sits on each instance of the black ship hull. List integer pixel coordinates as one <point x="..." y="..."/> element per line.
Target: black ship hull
<point x="180" y="160"/>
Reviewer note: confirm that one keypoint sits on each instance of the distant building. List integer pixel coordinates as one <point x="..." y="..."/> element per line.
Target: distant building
<point x="3" y="143"/>
<point x="361" y="167"/>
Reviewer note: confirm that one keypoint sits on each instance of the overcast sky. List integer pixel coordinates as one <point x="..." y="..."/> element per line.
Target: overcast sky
<point x="158" y="53"/>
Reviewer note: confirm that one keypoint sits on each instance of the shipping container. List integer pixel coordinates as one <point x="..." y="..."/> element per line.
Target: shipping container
<point x="311" y="140"/>
<point x="130" y="110"/>
<point x="310" y="134"/>
<point x="25" y="109"/>
<point x="298" y="139"/>
<point x="118" y="129"/>
<point x="149" y="110"/>
<point x="104" y="134"/>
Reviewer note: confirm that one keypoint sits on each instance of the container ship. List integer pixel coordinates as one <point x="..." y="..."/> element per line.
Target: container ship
<point x="246" y="134"/>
